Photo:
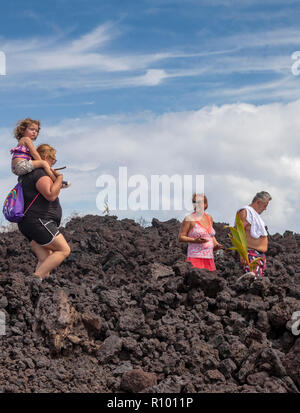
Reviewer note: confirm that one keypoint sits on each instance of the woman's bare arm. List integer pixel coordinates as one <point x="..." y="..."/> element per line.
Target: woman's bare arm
<point x="49" y="189"/>
<point x="184" y="229"/>
<point x="216" y="244"/>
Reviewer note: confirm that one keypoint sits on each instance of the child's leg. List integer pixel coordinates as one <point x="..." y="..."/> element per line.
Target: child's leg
<point x="22" y="167"/>
<point x="45" y="165"/>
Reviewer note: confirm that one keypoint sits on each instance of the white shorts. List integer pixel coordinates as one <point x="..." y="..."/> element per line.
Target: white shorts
<point x="22" y="167"/>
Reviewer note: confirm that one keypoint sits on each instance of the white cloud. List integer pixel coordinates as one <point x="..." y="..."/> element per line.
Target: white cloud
<point x="86" y="62"/>
<point x="240" y="149"/>
<point x="86" y="52"/>
<point x="291" y="166"/>
<point x="257" y="39"/>
<point x="95" y="39"/>
<point x="285" y="88"/>
<point x="153" y="77"/>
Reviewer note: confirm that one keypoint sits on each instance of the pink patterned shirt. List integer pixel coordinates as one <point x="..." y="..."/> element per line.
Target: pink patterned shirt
<point x="198" y="250"/>
<point x="21" y="152"/>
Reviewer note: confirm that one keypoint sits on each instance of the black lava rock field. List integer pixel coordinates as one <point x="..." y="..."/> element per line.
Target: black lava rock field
<point x="125" y="313"/>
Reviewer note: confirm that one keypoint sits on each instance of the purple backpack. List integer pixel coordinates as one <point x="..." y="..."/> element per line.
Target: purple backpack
<point x="13" y="208"/>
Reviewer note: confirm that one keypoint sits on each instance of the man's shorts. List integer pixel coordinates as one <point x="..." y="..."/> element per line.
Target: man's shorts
<point x="261" y="267"/>
<point x="22" y="167"/>
<point x="42" y="231"/>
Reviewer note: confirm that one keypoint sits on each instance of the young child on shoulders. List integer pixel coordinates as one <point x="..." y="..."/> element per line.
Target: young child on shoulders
<point x="25" y="157"/>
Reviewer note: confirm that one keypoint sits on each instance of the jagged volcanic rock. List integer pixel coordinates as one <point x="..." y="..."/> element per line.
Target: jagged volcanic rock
<point x="126" y="304"/>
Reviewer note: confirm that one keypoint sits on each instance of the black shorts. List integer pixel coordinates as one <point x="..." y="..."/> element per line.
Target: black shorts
<point x="42" y="231"/>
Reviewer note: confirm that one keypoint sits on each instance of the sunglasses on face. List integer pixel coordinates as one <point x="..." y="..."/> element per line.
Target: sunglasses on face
<point x="52" y="159"/>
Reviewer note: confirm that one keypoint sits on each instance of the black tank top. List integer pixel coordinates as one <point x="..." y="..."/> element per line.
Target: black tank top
<point x="41" y="208"/>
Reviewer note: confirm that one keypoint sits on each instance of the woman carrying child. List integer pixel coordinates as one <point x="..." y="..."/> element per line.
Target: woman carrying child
<point x="40" y="224"/>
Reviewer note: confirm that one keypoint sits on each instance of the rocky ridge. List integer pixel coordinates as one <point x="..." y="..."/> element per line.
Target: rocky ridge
<point x="126" y="313"/>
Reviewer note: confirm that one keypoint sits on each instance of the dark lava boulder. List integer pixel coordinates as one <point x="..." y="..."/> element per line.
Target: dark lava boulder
<point x="125" y="312"/>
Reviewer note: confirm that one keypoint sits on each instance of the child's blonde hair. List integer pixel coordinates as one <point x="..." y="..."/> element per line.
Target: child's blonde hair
<point x="23" y="124"/>
<point x="46" y="151"/>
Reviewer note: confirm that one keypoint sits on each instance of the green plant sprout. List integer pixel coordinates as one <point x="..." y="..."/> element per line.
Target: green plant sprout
<point x="239" y="242"/>
<point x="106" y="209"/>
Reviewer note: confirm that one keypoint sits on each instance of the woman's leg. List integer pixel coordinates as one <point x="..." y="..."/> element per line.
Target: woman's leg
<point x="60" y="251"/>
<point x="41" y="252"/>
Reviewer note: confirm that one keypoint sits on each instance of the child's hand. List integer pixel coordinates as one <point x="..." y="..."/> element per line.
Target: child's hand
<point x="56" y="173"/>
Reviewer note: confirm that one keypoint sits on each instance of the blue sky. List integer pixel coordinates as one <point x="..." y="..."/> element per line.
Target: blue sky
<point x="120" y="74"/>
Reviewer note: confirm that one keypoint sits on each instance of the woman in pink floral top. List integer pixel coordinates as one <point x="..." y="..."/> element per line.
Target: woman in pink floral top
<point x="197" y="229"/>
